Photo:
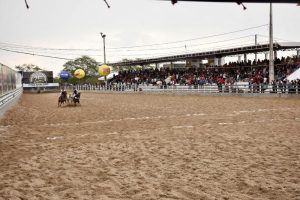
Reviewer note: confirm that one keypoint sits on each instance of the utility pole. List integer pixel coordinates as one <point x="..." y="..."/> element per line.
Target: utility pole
<point x="271" y="57"/>
<point x="103" y="37"/>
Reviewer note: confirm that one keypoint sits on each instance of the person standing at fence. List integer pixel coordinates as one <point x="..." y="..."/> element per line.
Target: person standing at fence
<point x="274" y="86"/>
<point x="220" y="82"/>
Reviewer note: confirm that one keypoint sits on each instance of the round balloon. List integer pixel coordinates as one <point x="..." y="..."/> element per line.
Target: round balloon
<point x="79" y="73"/>
<point x="104" y="70"/>
<point x="64" y="75"/>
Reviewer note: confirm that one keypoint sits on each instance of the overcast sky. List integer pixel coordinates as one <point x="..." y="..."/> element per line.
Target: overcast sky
<point x="69" y="24"/>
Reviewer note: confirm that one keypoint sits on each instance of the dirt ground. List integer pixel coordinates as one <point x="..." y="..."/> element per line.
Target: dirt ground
<point x="142" y="146"/>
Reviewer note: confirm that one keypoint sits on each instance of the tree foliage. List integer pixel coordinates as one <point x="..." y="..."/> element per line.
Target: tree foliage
<point x="28" y="68"/>
<point x="86" y="63"/>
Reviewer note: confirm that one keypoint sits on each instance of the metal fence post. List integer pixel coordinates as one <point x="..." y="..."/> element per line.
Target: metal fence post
<point x="260" y="91"/>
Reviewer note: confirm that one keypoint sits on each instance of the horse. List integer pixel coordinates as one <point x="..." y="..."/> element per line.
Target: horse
<point x="62" y="98"/>
<point x="75" y="99"/>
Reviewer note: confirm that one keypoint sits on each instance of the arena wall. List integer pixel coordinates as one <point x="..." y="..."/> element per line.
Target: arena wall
<point x="10" y="87"/>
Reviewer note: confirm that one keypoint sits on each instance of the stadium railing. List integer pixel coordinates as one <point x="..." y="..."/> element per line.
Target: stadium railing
<point x="243" y="87"/>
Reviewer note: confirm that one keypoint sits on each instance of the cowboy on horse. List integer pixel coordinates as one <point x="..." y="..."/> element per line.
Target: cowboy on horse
<point x="63" y="97"/>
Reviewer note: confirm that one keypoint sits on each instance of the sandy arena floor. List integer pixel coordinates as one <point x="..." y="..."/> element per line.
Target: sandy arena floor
<point x="139" y="146"/>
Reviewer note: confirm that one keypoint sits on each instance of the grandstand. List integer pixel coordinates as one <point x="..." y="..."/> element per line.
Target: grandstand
<point x="241" y="76"/>
<point x="233" y="77"/>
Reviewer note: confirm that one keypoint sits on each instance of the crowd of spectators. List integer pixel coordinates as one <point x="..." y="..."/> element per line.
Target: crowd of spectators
<point x="253" y="72"/>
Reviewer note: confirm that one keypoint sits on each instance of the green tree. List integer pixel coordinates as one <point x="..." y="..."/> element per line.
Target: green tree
<point x="28" y="68"/>
<point x="57" y="80"/>
<point x="88" y="64"/>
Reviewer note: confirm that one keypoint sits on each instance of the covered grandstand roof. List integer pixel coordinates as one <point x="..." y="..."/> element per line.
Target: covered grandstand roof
<point x="288" y="45"/>
<point x="211" y="54"/>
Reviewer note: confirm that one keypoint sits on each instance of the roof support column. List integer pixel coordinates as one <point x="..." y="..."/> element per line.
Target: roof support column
<point x="219" y="61"/>
<point x="216" y="61"/>
<point x="245" y="58"/>
<point x="239" y="58"/>
<point x="255" y="45"/>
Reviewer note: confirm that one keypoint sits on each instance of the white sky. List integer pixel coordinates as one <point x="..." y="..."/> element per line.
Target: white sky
<point x="77" y="24"/>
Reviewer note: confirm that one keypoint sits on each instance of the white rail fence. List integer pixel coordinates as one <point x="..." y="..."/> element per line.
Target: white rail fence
<point x="241" y="87"/>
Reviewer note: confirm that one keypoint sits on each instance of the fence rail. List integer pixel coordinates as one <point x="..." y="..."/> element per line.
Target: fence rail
<point x="209" y="88"/>
<point x="6" y="98"/>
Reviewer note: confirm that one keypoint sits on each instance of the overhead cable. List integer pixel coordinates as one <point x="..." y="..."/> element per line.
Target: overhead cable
<point x="33" y="54"/>
<point x="199" y="38"/>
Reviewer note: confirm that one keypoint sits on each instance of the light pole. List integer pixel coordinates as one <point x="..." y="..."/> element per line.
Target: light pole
<point x="103" y="36"/>
<point x="271" y="59"/>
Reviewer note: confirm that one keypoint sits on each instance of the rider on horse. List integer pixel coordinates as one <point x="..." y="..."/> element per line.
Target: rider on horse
<point x="76" y="96"/>
<point x="75" y="92"/>
<point x="63" y="93"/>
<point x="63" y="97"/>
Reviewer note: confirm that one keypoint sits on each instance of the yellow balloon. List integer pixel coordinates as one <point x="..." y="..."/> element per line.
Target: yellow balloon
<point x="79" y="73"/>
<point x="104" y="70"/>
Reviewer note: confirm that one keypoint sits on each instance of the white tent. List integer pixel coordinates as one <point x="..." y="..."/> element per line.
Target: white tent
<point x="109" y="76"/>
<point x="295" y="75"/>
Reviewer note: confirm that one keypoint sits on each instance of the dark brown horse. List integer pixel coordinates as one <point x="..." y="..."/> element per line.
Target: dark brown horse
<point x="62" y="98"/>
